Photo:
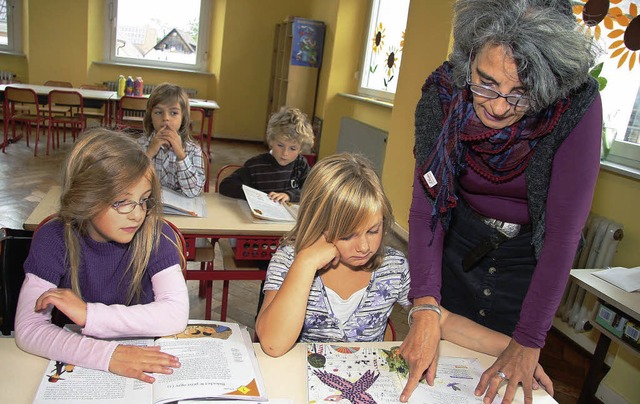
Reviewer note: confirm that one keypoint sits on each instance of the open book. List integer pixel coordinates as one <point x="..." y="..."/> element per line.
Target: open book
<point x="376" y="375"/>
<point x="174" y="203"/>
<point x="263" y="207"/>
<point x="218" y="362"/>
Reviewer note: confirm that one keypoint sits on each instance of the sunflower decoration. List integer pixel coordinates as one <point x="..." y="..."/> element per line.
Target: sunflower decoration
<point x="591" y="13"/>
<point x="402" y="41"/>
<point x="378" y="38"/>
<point x="390" y="65"/>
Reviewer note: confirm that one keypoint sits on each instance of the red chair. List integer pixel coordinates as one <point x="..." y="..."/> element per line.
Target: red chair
<point x="15" y="100"/>
<point x="131" y="112"/>
<point x="198" y="118"/>
<point x="75" y="121"/>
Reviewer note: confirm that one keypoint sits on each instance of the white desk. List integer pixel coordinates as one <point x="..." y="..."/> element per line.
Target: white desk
<point x="284" y="377"/>
<point x="627" y="303"/>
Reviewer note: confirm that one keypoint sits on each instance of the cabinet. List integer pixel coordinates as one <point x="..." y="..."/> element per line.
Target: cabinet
<point x="297" y="57"/>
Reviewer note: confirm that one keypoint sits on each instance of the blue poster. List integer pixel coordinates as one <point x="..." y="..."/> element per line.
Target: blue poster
<point x="308" y="41"/>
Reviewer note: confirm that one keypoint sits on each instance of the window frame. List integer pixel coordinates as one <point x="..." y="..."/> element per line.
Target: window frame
<point x="202" y="47"/>
<point x="370" y="27"/>
<point x="14" y="27"/>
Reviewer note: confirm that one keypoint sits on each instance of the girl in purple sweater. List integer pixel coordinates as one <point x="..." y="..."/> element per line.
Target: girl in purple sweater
<point x="107" y="262"/>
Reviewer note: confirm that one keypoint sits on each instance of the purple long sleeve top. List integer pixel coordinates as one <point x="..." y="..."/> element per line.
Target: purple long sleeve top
<point x="575" y="168"/>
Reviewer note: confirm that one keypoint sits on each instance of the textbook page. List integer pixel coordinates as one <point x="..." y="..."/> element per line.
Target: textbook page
<point x="218" y="361"/>
<point x="67" y="383"/>
<point x="174" y="203"/>
<point x="378" y="375"/>
<point x="217" y="358"/>
<point x="263" y="207"/>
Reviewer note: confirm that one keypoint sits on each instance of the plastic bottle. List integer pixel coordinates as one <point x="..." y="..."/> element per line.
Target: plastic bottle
<point x="138" y="86"/>
<point x="128" y="89"/>
<point x="121" y="85"/>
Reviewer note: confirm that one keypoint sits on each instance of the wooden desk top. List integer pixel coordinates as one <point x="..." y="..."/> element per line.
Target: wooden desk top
<point x="626" y="302"/>
<point x="285" y="377"/>
<point x="225" y="217"/>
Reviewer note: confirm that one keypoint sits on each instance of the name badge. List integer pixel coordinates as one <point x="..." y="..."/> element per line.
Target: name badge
<point x="431" y="180"/>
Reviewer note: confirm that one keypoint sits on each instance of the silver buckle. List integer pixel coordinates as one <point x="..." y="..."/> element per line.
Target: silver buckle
<point x="510" y="230"/>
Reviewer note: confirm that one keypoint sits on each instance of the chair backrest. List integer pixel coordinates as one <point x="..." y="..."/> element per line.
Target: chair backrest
<point x="14" y="248"/>
<point x="65" y="98"/>
<point x="224" y="172"/>
<point x="56" y="83"/>
<point x="21" y="95"/>
<point x="205" y="157"/>
<point x="131" y="112"/>
<point x="198" y="116"/>
<point x="183" y="246"/>
<point x="130" y="105"/>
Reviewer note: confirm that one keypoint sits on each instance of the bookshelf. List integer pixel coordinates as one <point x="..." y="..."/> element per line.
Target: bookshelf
<point x="296" y="61"/>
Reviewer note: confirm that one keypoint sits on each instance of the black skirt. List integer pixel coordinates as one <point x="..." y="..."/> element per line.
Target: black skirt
<point x="491" y="292"/>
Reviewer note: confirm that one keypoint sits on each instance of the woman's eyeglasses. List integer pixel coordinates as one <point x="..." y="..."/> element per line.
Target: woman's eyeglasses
<point x="125" y="207"/>
<point x="518" y="101"/>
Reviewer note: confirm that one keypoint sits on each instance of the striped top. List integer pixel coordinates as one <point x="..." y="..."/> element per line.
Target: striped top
<point x="389" y="284"/>
<point x="263" y="173"/>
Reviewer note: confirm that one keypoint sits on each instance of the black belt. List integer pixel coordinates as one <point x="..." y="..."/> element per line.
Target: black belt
<point x="505" y="231"/>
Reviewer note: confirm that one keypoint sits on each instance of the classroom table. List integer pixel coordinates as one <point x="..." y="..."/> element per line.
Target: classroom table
<point x="91" y="98"/>
<point x="284" y="377"/>
<point x="226" y="218"/>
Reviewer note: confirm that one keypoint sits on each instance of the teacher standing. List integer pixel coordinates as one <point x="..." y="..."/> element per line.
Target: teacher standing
<point x="507" y="154"/>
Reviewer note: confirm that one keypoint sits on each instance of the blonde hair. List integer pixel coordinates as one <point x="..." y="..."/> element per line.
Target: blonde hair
<point x="102" y="166"/>
<point x="168" y="93"/>
<point x="290" y="124"/>
<point x="341" y="193"/>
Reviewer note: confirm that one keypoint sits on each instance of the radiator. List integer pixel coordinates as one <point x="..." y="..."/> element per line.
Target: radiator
<point x="602" y="236"/>
<point x="358" y="137"/>
<point x="6" y="77"/>
<point x="147" y="88"/>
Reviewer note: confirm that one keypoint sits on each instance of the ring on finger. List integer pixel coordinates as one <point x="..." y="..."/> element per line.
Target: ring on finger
<point x="501" y="374"/>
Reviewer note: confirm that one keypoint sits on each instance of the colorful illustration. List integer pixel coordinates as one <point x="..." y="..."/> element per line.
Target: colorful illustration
<point x="210" y="330"/>
<point x="355" y="392"/>
<point x="366" y="375"/>
<point x="59" y="369"/>
<point x="308" y="40"/>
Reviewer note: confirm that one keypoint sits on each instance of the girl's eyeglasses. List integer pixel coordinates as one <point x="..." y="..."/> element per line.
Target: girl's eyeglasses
<point x="125" y="207"/>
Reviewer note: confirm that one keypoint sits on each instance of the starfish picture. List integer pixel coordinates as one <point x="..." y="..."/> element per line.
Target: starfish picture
<point x="355" y="392"/>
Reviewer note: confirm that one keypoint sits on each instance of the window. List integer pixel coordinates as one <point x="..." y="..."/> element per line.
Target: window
<point x="11" y="26"/>
<point x="620" y="69"/>
<point x="383" y="48"/>
<point x="161" y="33"/>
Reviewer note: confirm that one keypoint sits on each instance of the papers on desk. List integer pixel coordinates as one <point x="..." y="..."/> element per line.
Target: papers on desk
<point x="262" y="207"/>
<point x="174" y="203"/>
<point x="380" y="375"/>
<point x="627" y="279"/>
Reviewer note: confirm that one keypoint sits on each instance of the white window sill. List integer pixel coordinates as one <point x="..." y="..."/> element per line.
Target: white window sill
<point x="11" y="53"/>
<point x="173" y="69"/>
<point x="623" y="170"/>
<point x="367" y="99"/>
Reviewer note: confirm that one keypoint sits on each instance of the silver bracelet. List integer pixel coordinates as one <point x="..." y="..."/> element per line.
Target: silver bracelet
<point x="419" y="307"/>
